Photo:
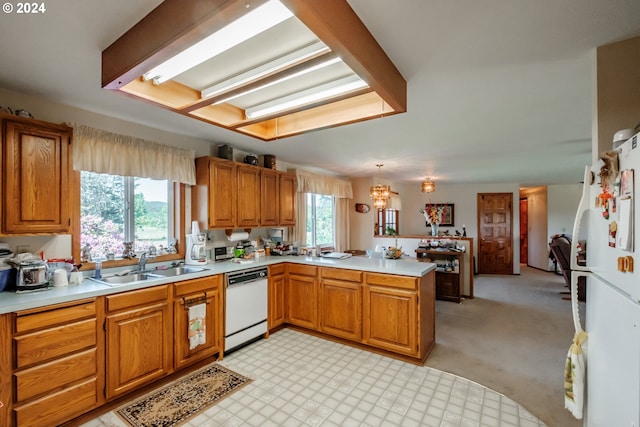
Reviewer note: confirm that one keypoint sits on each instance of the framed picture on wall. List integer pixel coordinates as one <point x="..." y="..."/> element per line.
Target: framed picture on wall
<point x="446" y="215"/>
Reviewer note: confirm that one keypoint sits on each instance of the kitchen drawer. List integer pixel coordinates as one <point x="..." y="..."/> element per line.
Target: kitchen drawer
<point x="342" y="274"/>
<point x="277" y="269"/>
<point x="37" y="318"/>
<point x="47" y="344"/>
<point x="53" y="375"/>
<point x="390" y="280"/>
<point x="134" y="298"/>
<point x="303" y="270"/>
<point x="56" y="408"/>
<point x="203" y="284"/>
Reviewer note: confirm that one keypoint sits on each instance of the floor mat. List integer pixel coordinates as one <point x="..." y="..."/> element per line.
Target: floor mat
<point x="178" y="401"/>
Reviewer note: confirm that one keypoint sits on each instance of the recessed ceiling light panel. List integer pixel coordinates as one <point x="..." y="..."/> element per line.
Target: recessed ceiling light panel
<point x="249" y="25"/>
<point x="328" y="90"/>
<point x="266" y="69"/>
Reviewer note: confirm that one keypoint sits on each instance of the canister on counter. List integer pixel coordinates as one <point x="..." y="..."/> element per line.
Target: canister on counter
<point x="269" y="161"/>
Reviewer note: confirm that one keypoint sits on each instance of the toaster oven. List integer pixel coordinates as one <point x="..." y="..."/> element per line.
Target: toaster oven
<point x="222" y="253"/>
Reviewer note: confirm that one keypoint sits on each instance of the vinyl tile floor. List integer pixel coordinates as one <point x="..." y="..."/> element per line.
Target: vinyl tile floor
<point x="302" y="380"/>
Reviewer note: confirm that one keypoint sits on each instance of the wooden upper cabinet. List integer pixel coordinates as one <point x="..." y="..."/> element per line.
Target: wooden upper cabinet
<point x="36" y="176"/>
<point x="288" y="189"/>
<point x="229" y="194"/>
<point x="270" y="195"/>
<point x="248" y="196"/>
<point x="214" y="195"/>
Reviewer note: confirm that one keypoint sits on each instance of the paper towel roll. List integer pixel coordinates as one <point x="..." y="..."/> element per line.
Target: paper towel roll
<point x="241" y="235"/>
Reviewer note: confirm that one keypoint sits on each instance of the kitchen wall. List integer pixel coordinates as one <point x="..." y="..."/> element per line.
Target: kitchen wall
<point x="563" y="203"/>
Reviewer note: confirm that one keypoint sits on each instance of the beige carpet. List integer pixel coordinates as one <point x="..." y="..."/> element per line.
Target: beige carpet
<point x="513" y="337"/>
<point x="177" y="402"/>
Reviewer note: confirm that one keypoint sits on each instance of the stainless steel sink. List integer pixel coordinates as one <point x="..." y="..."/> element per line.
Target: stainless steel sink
<point x="177" y="271"/>
<point x="126" y="279"/>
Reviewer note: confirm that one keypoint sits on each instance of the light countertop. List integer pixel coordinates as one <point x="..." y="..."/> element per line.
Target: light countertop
<point x="11" y="301"/>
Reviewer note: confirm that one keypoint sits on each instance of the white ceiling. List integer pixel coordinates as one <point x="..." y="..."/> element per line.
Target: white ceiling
<point x="498" y="90"/>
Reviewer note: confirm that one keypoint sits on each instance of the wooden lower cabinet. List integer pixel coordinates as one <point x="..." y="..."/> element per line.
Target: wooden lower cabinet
<point x="390" y="319"/>
<point x="138" y="339"/>
<point x="399" y="313"/>
<point x="208" y="291"/>
<point x="56" y="363"/>
<point x="276" y="314"/>
<point x="302" y="296"/>
<point x="341" y="303"/>
<point x="389" y="312"/>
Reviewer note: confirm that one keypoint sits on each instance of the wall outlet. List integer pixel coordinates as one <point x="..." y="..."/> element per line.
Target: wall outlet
<point x="21" y="249"/>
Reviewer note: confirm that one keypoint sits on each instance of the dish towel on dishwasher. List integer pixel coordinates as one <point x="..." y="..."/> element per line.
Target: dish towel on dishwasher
<point x="197" y="325"/>
<point x="574" y="376"/>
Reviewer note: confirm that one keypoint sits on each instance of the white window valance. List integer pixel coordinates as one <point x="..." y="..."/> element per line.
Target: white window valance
<point x="99" y="151"/>
<point x="321" y="184"/>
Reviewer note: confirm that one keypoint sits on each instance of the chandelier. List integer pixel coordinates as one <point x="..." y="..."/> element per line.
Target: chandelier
<point x="428" y="186"/>
<point x="379" y="193"/>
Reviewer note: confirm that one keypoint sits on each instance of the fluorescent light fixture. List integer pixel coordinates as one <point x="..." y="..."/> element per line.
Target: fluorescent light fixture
<point x="254" y="22"/>
<point x="328" y="90"/>
<point x="265" y="69"/>
<point x="283" y="79"/>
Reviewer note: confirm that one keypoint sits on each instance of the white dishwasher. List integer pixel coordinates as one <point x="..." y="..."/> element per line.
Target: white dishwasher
<point x="246" y="307"/>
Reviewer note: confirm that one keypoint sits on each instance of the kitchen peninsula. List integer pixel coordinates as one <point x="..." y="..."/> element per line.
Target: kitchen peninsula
<point x="386" y="306"/>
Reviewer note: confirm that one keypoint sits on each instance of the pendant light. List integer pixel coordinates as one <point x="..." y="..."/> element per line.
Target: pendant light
<point x="428" y="186"/>
<point x="379" y="193"/>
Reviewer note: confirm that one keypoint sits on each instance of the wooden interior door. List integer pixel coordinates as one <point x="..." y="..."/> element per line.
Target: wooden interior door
<point x="495" y="249"/>
<point x="524" y="231"/>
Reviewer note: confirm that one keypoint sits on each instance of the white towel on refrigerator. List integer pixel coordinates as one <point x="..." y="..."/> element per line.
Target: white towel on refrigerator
<point x="197" y="325"/>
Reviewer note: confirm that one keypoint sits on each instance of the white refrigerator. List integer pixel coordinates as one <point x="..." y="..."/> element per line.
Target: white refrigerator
<point x="608" y="216"/>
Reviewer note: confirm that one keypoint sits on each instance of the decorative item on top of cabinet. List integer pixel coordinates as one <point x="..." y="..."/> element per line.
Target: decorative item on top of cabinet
<point x="225" y="152"/>
<point x="269" y="161"/>
<point x="36" y="170"/>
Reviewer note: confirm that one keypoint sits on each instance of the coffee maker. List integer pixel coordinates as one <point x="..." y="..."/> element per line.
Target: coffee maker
<point x="196" y="246"/>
